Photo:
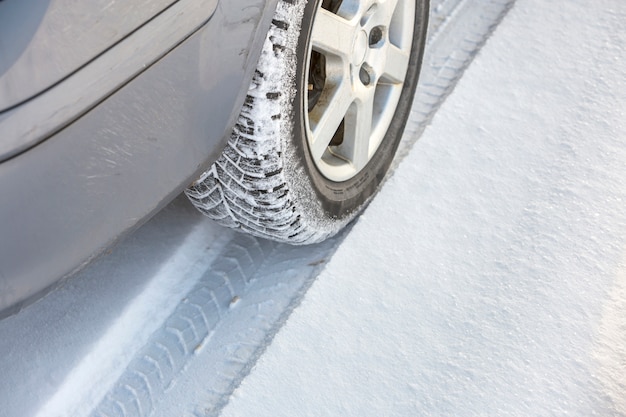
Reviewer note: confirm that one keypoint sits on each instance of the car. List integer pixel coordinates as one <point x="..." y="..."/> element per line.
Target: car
<point x="279" y="118"/>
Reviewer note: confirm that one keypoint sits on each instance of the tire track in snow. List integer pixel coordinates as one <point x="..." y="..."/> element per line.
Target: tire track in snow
<point x="452" y="45"/>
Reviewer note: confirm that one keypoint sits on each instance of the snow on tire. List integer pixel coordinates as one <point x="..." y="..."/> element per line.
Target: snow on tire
<point x="321" y="121"/>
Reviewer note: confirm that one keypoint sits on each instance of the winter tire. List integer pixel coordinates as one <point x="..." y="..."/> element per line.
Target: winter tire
<point x="322" y="120"/>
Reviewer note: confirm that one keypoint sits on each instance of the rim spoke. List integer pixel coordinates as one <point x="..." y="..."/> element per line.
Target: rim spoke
<point x="330" y="118"/>
<point x="389" y="7"/>
<point x="332" y="34"/>
<point x="384" y="13"/>
<point x="366" y="47"/>
<point x="358" y="130"/>
<point x="396" y="64"/>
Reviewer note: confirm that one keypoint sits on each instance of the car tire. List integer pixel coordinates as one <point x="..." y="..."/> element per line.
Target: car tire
<point x="322" y="119"/>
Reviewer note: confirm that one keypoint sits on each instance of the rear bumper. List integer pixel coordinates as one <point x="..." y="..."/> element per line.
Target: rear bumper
<point x="72" y="195"/>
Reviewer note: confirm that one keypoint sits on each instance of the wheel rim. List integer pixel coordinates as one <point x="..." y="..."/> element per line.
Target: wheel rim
<point x="357" y="62"/>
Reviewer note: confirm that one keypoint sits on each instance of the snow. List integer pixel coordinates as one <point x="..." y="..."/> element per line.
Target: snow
<point x="90" y="379"/>
<point x="488" y="277"/>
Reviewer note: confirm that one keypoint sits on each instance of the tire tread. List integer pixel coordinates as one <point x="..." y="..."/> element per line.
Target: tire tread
<point x="246" y="188"/>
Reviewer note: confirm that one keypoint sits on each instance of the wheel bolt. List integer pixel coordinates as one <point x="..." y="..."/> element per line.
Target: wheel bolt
<point x="364" y="76"/>
<point x="376" y="35"/>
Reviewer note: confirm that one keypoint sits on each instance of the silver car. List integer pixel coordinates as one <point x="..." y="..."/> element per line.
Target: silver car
<point x="278" y="117"/>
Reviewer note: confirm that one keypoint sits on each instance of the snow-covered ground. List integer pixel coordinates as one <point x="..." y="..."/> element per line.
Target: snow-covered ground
<point x="488" y="277"/>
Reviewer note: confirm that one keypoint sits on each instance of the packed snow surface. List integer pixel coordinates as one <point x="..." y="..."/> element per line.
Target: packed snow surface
<point x="489" y="276"/>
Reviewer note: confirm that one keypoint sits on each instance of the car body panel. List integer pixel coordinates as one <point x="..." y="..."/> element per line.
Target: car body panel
<point x="71" y="196"/>
<point x="30" y="123"/>
<point x="44" y="41"/>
